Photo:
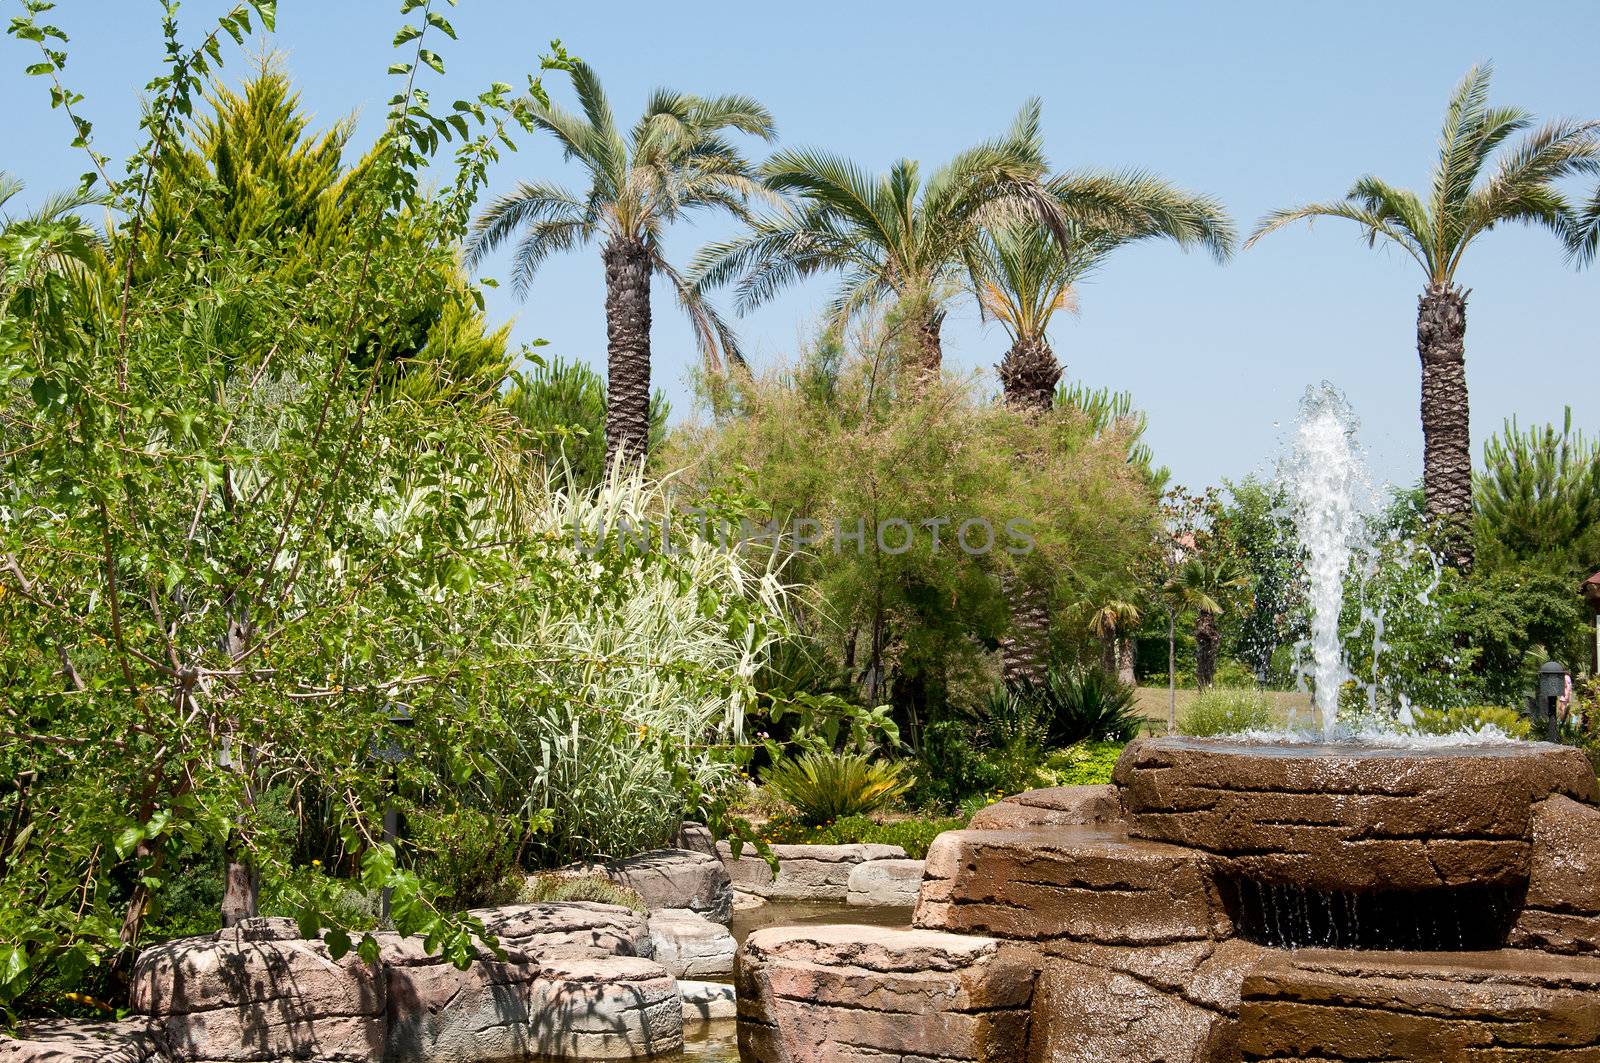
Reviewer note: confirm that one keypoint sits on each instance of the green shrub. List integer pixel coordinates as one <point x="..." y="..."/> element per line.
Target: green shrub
<point x="1471" y="718"/>
<point x="1220" y="712"/>
<point x="596" y="888"/>
<point x="830" y="786"/>
<point x="1084" y="704"/>
<point x="469" y="856"/>
<point x="912" y="835"/>
<point x="951" y="767"/>
<point x="1086" y="763"/>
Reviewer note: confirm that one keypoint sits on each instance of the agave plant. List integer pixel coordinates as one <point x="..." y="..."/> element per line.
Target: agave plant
<point x="1436" y="232"/>
<point x="1084" y="705"/>
<point x="827" y="786"/>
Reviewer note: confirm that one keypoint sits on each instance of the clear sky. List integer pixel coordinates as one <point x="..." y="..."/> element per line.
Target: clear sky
<point x="1262" y="104"/>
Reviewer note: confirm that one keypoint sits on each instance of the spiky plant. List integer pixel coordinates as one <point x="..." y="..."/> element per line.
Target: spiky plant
<point x="1462" y="204"/>
<point x="825" y="786"/>
<point x="676" y="160"/>
<point x="893" y="235"/>
<point x="1024" y="272"/>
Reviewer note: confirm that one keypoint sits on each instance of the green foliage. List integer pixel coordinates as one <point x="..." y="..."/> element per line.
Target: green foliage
<point x="1471" y="718"/>
<point x="913" y="835"/>
<point x="1084" y="704"/>
<point x="1254" y="524"/>
<point x="915" y="623"/>
<point x="469" y="856"/>
<point x="1218" y="711"/>
<point x="1087" y="763"/>
<point x="824" y="787"/>
<point x="540" y="889"/>
<point x="564" y="404"/>
<point x="1537" y="501"/>
<point x="950" y="768"/>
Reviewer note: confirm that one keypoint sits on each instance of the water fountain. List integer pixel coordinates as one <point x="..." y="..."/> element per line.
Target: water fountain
<point x="1327" y="896"/>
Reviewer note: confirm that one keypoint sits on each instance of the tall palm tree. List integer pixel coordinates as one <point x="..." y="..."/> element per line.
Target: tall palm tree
<point x="1207" y="587"/>
<point x="892" y="235"/>
<point x="675" y="160"/>
<point x="1023" y="273"/>
<point x="1436" y="231"/>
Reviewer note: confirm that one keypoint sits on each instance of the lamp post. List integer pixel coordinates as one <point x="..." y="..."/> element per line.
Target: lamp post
<point x="1553" y="683"/>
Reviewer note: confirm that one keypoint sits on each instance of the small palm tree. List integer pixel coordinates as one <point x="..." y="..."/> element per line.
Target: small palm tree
<point x="892" y="235"/>
<point x="1024" y="272"/>
<point x="1207" y="587"/>
<point x="1436" y="232"/>
<point x="1113" y="624"/>
<point x="675" y="160"/>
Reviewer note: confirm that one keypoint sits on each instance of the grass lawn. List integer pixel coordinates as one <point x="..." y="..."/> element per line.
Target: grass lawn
<point x="1152" y="703"/>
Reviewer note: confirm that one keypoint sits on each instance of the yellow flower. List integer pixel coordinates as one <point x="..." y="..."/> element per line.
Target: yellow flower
<point x="316" y="863"/>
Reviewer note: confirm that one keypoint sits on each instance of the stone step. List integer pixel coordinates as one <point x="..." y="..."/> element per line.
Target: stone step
<point x="824" y="994"/>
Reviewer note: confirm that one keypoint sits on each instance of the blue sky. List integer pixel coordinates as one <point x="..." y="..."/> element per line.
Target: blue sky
<point x="1262" y="104"/>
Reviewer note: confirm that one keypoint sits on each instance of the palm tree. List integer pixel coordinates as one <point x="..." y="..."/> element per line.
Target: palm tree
<point x="892" y="235"/>
<point x="674" y="161"/>
<point x="1583" y="239"/>
<point x="1023" y="273"/>
<point x="1207" y="587"/>
<point x="1112" y="623"/>
<point x="1436" y="232"/>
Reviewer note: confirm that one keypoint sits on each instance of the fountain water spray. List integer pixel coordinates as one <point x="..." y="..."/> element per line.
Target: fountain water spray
<point x="1327" y="479"/>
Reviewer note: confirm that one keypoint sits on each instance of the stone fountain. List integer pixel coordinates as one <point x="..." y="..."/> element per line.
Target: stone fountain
<point x="1225" y="900"/>
<point x="1372" y="898"/>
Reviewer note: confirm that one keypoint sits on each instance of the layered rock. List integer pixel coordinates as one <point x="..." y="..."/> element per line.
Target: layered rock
<point x="805" y="872"/>
<point x="707" y="1001"/>
<point x="1093" y="885"/>
<point x="884" y="883"/>
<point x="691" y="946"/>
<point x="1058" y="806"/>
<point x="1446" y="1007"/>
<point x="827" y="994"/>
<point x="63" y="1041"/>
<point x="1561" y="910"/>
<point x="673" y="878"/>
<point x="227" y="999"/>
<point x="1350" y="817"/>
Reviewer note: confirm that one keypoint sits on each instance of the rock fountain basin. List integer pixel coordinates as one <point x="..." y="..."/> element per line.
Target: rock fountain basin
<point x="1350" y="817"/>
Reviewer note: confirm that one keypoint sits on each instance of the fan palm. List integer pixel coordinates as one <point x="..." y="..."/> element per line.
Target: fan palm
<point x="675" y="160"/>
<point x="1024" y="273"/>
<point x="1436" y="232"/>
<point x="1208" y="587"/>
<point x="892" y="235"/>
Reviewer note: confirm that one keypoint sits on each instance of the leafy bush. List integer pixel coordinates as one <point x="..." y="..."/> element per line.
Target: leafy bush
<point x="469" y="856"/>
<point x="1220" y="712"/>
<point x="912" y="835"/>
<point x="951" y="767"/>
<point x="1085" y="704"/>
<point x="1084" y="764"/>
<point x="1471" y="718"/>
<point x="596" y="888"/>
<point x="829" y="786"/>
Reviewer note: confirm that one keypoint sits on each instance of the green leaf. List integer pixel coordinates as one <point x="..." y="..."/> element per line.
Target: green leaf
<point x="407" y="33"/>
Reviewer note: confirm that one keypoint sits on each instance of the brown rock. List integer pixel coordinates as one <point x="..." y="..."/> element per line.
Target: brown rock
<point x="595" y="1007"/>
<point x="1562" y="909"/>
<point x="1087" y="884"/>
<point x="805" y="872"/>
<point x="696" y="838"/>
<point x="1350" y="817"/>
<point x="1438" y="1007"/>
<point x="826" y="994"/>
<point x="1083" y="1013"/>
<point x="67" y="1041"/>
<point x="568" y="928"/>
<point x="260" y="1000"/>
<point x="673" y="878"/>
<point x="1058" y="806"/>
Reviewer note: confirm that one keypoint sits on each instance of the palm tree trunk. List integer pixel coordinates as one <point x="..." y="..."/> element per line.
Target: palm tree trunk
<point x="1125" y="670"/>
<point x="1206" y="640"/>
<point x="1446" y="429"/>
<point x="1028" y="374"/>
<point x="627" y="351"/>
<point x="1023" y="650"/>
<point x="926" y="354"/>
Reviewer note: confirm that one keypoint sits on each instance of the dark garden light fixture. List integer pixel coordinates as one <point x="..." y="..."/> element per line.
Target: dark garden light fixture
<point x="1554" y="682"/>
<point x="390" y="751"/>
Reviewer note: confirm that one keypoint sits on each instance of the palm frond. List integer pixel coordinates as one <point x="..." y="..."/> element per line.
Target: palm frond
<point x="1583" y="233"/>
<point x="531" y="203"/>
<point x="716" y="341"/>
